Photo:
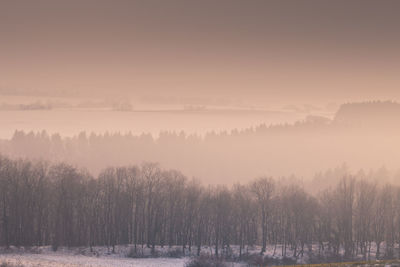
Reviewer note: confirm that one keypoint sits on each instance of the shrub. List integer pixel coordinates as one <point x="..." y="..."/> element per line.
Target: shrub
<point x="134" y="254"/>
<point x="254" y="259"/>
<point x="176" y="253"/>
<point x="33" y="250"/>
<point x="8" y="264"/>
<point x="206" y="261"/>
<point x="155" y="254"/>
<point x="54" y="247"/>
<point x="257" y="260"/>
<point x="288" y="261"/>
<point x="228" y="253"/>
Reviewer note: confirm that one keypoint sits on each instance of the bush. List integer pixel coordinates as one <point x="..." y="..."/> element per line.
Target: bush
<point x="176" y="253"/>
<point x="8" y="264"/>
<point x="155" y="254"/>
<point x="54" y="247"/>
<point x="257" y="259"/>
<point x="134" y="254"/>
<point x="139" y="253"/>
<point x="206" y="261"/>
<point x="288" y="261"/>
<point x="228" y="253"/>
<point x="33" y="250"/>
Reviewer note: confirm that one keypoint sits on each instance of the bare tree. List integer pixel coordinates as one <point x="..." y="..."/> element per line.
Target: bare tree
<point x="263" y="189"/>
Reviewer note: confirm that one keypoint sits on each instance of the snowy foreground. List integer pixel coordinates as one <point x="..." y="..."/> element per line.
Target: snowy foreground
<point x="123" y="256"/>
<point x="99" y="257"/>
<point x="58" y="260"/>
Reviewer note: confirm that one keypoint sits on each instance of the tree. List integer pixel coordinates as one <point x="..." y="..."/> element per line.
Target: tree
<point x="263" y="188"/>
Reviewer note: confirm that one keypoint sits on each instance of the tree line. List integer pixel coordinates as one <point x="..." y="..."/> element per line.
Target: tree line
<point x="60" y="205"/>
<point x="224" y="155"/>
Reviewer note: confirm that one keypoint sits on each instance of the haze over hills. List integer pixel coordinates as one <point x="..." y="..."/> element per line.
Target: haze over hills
<point x="362" y="135"/>
<point x="286" y="114"/>
<point x="372" y="114"/>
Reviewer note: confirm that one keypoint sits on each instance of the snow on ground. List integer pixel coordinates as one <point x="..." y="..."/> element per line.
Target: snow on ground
<point x="60" y="260"/>
<point x="104" y="257"/>
<point x="74" y="257"/>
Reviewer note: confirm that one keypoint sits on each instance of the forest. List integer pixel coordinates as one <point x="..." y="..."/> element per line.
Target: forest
<point x="59" y="205"/>
<point x="354" y="136"/>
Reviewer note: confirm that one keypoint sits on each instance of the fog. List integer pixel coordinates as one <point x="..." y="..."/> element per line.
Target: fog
<point x="224" y="133"/>
<point x="215" y="146"/>
<point x="221" y="91"/>
<point x="94" y="116"/>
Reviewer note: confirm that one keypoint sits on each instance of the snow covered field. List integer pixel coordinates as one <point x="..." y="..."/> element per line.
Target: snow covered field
<point x="58" y="260"/>
<point x="104" y="257"/>
<point x="100" y="257"/>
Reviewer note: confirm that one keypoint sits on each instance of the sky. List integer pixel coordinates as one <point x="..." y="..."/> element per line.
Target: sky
<point x="266" y="51"/>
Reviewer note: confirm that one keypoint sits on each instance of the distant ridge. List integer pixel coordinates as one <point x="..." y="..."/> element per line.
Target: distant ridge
<point x="369" y="113"/>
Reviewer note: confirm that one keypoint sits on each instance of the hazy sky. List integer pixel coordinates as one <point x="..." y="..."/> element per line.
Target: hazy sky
<point x="267" y="50"/>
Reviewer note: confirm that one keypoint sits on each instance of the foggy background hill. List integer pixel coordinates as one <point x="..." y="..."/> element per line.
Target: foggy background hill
<point x="362" y="135"/>
<point x="370" y="114"/>
<point x="222" y="91"/>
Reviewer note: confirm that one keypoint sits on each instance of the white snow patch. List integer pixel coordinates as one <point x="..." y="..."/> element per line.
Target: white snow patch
<point x="60" y="260"/>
